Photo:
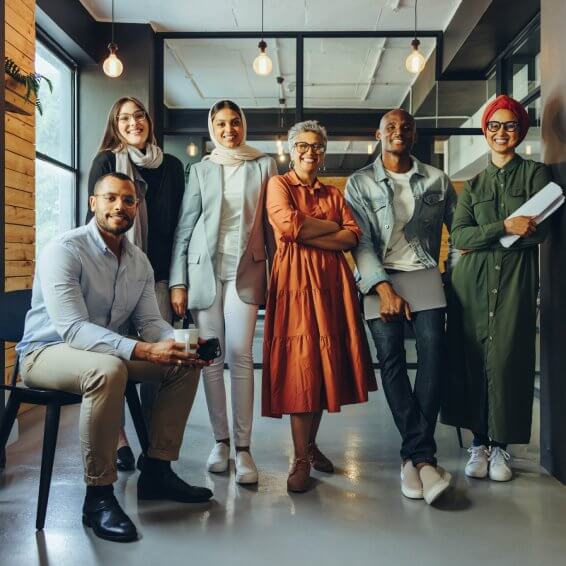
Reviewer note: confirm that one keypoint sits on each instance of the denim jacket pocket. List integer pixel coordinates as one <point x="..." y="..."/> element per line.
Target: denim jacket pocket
<point x="376" y="204"/>
<point x="433" y="198"/>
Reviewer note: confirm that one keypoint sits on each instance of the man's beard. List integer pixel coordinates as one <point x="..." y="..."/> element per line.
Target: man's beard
<point x="116" y="231"/>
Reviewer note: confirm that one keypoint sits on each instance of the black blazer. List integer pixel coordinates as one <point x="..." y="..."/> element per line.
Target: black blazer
<point x="166" y="186"/>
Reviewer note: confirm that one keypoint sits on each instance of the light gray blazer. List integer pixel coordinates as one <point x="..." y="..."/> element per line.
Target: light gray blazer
<point x="196" y="236"/>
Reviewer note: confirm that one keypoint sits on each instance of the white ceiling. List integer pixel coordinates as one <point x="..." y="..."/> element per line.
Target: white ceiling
<point x="287" y="15"/>
<point x="338" y="72"/>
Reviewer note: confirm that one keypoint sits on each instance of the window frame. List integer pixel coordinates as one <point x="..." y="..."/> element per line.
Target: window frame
<point x="65" y="59"/>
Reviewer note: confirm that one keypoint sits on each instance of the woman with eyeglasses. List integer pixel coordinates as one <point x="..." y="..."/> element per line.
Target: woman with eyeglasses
<point x="492" y="303"/>
<point x="129" y="146"/>
<point x="315" y="352"/>
<point x="219" y="270"/>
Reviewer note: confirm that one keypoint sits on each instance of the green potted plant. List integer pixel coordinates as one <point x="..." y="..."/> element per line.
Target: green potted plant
<point x="32" y="81"/>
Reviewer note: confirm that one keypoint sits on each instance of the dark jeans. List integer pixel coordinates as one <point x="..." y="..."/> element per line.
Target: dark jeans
<point x="414" y="410"/>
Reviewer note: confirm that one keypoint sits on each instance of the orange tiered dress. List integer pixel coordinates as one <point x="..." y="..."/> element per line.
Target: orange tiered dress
<point x="315" y="351"/>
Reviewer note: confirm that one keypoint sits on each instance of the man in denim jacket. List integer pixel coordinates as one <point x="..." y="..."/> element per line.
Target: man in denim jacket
<point x="401" y="204"/>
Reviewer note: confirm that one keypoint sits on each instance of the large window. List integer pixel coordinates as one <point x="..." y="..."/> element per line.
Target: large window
<point x="56" y="174"/>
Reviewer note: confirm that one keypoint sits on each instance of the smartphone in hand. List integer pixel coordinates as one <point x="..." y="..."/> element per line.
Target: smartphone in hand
<point x="209" y="349"/>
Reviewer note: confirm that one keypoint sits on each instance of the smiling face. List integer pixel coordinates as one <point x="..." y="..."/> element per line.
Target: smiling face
<point x="228" y="127"/>
<point x="396" y="132"/>
<point x="114" y="205"/>
<point x="133" y="126"/>
<point x="307" y="163"/>
<point x="502" y="141"/>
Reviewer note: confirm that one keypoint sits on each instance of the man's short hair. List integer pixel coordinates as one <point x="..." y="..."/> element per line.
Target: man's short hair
<point x="112" y="174"/>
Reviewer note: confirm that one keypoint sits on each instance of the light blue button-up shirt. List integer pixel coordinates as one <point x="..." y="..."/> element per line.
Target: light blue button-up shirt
<point x="82" y="296"/>
<point x="369" y="192"/>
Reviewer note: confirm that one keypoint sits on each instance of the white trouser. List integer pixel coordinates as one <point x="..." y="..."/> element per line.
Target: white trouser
<point x="233" y="322"/>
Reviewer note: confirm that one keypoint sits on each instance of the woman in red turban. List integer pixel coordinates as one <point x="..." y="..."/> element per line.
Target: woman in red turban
<point x="492" y="303"/>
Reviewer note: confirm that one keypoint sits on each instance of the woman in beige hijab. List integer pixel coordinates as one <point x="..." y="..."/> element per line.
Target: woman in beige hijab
<point x="218" y="271"/>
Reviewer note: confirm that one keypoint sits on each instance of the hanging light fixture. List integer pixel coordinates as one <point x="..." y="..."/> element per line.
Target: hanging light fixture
<point x="192" y="149"/>
<point x="262" y="63"/>
<point x="415" y="62"/>
<point x="112" y="66"/>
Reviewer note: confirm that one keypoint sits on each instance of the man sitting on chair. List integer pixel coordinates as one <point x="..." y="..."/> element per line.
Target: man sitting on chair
<point x="89" y="282"/>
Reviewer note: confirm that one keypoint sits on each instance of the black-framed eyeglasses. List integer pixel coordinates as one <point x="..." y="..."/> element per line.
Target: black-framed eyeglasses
<point x="137" y="116"/>
<point x="128" y="201"/>
<point x="495" y="126"/>
<point x="303" y="147"/>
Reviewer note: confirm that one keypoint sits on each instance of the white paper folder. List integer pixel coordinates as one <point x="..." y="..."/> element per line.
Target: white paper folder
<point x="547" y="201"/>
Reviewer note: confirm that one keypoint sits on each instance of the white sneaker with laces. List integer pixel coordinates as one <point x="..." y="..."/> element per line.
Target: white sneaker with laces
<point x="478" y="463"/>
<point x="218" y="460"/>
<point x="246" y="471"/>
<point x="499" y="469"/>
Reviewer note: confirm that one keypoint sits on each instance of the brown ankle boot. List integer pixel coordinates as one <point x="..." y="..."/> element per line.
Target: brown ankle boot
<point x="299" y="476"/>
<point x="319" y="461"/>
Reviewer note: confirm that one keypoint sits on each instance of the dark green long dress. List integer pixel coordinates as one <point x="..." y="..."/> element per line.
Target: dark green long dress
<point x="492" y="307"/>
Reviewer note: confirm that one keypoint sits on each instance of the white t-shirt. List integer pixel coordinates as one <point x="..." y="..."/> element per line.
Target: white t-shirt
<point x="399" y="254"/>
<point x="232" y="192"/>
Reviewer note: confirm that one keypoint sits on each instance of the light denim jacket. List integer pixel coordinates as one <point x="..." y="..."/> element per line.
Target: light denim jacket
<point x="369" y="193"/>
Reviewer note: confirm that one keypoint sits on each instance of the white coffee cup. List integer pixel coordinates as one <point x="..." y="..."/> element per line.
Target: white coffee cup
<point x="188" y="337"/>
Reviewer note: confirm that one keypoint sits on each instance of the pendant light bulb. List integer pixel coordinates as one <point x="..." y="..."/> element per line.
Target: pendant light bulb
<point x="262" y="63"/>
<point x="112" y="66"/>
<point x="415" y="62"/>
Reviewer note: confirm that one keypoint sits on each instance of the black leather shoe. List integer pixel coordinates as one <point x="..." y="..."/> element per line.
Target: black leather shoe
<point x="158" y="481"/>
<point x="107" y="519"/>
<point x="125" y="460"/>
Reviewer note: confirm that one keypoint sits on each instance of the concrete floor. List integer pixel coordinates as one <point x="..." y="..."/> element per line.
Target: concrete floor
<point x="357" y="516"/>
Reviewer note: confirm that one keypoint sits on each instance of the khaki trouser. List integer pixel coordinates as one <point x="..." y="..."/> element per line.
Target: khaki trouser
<point x="101" y="380"/>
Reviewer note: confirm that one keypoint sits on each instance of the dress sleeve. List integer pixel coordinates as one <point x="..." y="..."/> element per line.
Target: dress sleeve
<point x="466" y="234"/>
<point x="347" y="220"/>
<point x="281" y="212"/>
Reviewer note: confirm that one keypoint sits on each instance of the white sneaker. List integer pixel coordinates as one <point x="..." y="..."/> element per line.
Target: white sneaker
<point x="246" y="471"/>
<point x="499" y="470"/>
<point x="411" y="484"/>
<point x="218" y="460"/>
<point x="478" y="463"/>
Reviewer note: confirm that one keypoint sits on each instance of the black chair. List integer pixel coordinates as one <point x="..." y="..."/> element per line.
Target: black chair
<point x="13" y="307"/>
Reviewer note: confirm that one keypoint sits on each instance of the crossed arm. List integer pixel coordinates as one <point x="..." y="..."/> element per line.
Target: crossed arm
<point x="296" y="226"/>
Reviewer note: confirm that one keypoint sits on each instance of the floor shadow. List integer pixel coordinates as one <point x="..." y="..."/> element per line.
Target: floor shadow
<point x="454" y="499"/>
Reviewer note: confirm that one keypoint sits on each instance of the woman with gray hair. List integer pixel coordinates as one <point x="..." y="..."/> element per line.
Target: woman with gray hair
<point x="315" y="352"/>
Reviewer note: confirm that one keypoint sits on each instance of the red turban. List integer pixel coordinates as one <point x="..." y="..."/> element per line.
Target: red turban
<point x="507" y="103"/>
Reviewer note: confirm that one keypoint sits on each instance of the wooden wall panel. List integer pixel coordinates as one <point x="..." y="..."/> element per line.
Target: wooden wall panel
<point x="15" y="125"/>
<point x="19" y="181"/>
<point x="19" y="167"/>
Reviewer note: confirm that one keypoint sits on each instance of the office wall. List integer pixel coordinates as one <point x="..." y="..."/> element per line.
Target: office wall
<point x="19" y="158"/>
<point x="553" y="256"/>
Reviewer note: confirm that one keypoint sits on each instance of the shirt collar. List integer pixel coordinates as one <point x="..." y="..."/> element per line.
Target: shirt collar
<point x="381" y="173"/>
<point x="513" y="164"/>
<point x="292" y="178"/>
<point x="92" y="227"/>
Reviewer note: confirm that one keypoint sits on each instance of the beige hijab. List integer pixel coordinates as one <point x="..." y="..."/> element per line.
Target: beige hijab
<point x="231" y="155"/>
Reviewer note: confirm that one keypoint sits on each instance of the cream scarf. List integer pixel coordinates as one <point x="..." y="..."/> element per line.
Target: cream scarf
<point x="228" y="155"/>
<point x="151" y="159"/>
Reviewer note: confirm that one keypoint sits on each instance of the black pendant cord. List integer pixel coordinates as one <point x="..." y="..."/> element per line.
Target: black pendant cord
<point x="113" y="21"/>
<point x="416" y="2"/>
<point x="262" y="20"/>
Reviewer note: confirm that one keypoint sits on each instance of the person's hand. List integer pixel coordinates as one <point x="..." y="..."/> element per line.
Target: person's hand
<point x="179" y="301"/>
<point x="167" y="352"/>
<point x="520" y="225"/>
<point x="393" y="305"/>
